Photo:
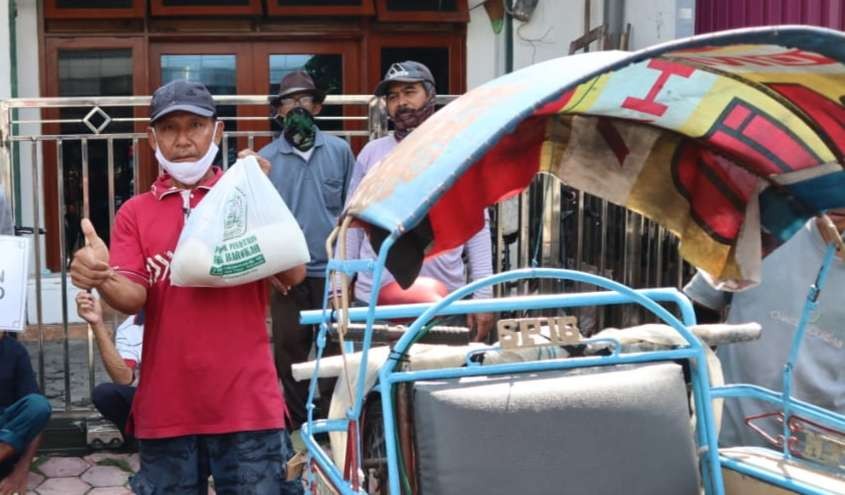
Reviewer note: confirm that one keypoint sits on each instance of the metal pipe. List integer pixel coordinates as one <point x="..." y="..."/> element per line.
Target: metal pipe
<point x="60" y="180"/>
<point x="225" y="151"/>
<point x="110" y="173"/>
<point x="6" y="155"/>
<point x="661" y="233"/>
<point x="500" y="246"/>
<point x="515" y="303"/>
<point x="603" y="256"/>
<point x="614" y="19"/>
<point x="524" y="235"/>
<point x="36" y="237"/>
<point x="136" y="168"/>
<point x="86" y="212"/>
<point x="508" y="36"/>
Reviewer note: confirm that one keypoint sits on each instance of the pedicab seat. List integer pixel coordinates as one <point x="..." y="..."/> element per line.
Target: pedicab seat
<point x="608" y="430"/>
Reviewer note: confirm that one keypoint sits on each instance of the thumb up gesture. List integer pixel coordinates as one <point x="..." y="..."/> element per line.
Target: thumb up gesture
<point x="90" y="265"/>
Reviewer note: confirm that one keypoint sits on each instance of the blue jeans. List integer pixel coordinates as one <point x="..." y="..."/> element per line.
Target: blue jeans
<point x="114" y="402"/>
<point x="248" y="462"/>
<point x="20" y="423"/>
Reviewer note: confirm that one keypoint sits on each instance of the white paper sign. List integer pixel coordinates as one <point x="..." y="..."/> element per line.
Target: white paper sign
<point x="14" y="264"/>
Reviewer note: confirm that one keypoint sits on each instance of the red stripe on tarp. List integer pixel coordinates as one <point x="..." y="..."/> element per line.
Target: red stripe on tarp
<point x="505" y="170"/>
<point x="783" y="144"/>
<point x="737" y="117"/>
<point x="830" y="115"/>
<point x="555" y="106"/>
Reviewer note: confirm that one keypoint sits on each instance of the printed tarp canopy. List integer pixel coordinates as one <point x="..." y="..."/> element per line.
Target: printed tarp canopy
<point x="716" y="137"/>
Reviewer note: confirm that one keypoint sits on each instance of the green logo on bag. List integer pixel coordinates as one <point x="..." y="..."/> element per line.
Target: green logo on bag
<point x="237" y="257"/>
<point x="234" y="216"/>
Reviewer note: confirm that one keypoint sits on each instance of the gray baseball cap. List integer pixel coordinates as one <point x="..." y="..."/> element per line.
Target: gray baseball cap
<point x="407" y="71"/>
<point x="182" y="95"/>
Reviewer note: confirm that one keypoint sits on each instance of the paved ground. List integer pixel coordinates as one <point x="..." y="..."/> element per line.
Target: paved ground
<point x="95" y="474"/>
<point x="100" y="473"/>
<point x="54" y="371"/>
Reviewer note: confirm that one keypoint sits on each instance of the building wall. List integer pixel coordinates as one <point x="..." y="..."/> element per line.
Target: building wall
<point x="5" y="62"/>
<point x="556" y="23"/>
<point x="26" y="26"/>
<point x="659" y="21"/>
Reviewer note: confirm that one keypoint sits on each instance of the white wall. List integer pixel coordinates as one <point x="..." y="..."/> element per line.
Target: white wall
<point x="658" y="21"/>
<point x="485" y="53"/>
<point x="28" y="86"/>
<point x="5" y="61"/>
<point x="556" y="23"/>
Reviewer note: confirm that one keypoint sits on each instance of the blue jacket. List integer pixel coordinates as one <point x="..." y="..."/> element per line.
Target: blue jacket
<point x="315" y="191"/>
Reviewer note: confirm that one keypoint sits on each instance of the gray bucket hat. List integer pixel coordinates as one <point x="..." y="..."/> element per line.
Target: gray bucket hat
<point x="407" y="71"/>
<point x="297" y="82"/>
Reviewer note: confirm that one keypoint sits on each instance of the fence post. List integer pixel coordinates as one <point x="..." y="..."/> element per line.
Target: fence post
<point x="6" y="156"/>
<point x="377" y="121"/>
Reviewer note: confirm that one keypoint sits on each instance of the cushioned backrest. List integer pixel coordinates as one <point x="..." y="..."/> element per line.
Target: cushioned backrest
<point x="590" y="431"/>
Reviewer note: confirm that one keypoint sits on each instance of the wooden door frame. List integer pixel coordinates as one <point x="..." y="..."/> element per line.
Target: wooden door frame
<point x="157" y="8"/>
<point x="243" y="60"/>
<point x="50" y="65"/>
<point x="455" y="42"/>
<point x="136" y="11"/>
<point x="349" y="50"/>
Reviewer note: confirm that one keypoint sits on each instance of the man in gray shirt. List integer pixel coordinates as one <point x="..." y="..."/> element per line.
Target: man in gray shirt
<point x="311" y="170"/>
<point x="819" y="375"/>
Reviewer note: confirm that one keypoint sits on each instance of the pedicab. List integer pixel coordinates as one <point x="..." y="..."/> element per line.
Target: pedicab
<point x="720" y="138"/>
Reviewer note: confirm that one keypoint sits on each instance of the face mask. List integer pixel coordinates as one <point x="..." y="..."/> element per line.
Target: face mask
<point x="188" y="173"/>
<point x="408" y="119"/>
<point x="300" y="129"/>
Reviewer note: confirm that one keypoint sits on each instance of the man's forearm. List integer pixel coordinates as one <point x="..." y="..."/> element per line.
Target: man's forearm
<point x="116" y="367"/>
<point x="123" y="294"/>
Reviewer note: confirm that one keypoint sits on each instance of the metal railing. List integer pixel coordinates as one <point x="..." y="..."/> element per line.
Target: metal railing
<point x="549" y="224"/>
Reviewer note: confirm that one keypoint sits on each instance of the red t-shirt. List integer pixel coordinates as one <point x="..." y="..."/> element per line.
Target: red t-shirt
<point x="207" y="362"/>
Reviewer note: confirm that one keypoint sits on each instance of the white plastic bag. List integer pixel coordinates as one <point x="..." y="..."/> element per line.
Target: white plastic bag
<point x="241" y="231"/>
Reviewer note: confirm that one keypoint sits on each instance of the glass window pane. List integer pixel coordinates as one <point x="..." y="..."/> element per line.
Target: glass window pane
<point x="95" y="73"/>
<point x="435" y="58"/>
<point x="204" y="3"/>
<point x="94" y="4"/>
<point x="432" y="5"/>
<point x="319" y="3"/>
<point x="219" y="74"/>
<point x="327" y="72"/>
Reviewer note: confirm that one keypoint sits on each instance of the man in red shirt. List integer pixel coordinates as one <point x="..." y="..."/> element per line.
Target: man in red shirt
<point x="209" y="402"/>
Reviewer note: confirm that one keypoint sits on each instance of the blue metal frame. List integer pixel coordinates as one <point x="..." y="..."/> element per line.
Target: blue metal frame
<point x="797" y="338"/>
<point x="453" y="304"/>
<point x="711" y="462"/>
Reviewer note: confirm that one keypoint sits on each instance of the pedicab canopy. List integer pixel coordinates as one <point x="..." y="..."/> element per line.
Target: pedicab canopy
<point x="717" y="137"/>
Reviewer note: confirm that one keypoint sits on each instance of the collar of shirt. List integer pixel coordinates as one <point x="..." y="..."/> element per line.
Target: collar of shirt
<point x="163" y="185"/>
<point x="283" y="146"/>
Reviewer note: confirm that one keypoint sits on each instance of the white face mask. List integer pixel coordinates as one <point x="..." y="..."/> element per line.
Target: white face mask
<point x="188" y="173"/>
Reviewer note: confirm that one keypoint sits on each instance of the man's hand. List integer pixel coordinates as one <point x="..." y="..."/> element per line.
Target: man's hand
<point x="482" y="323"/>
<point x="279" y="285"/>
<point x="14" y="483"/>
<point x="90" y="265"/>
<point x="89" y="309"/>
<point x="262" y="162"/>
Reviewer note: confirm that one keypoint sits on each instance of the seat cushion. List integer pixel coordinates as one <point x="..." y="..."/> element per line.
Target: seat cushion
<point x="591" y="430"/>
